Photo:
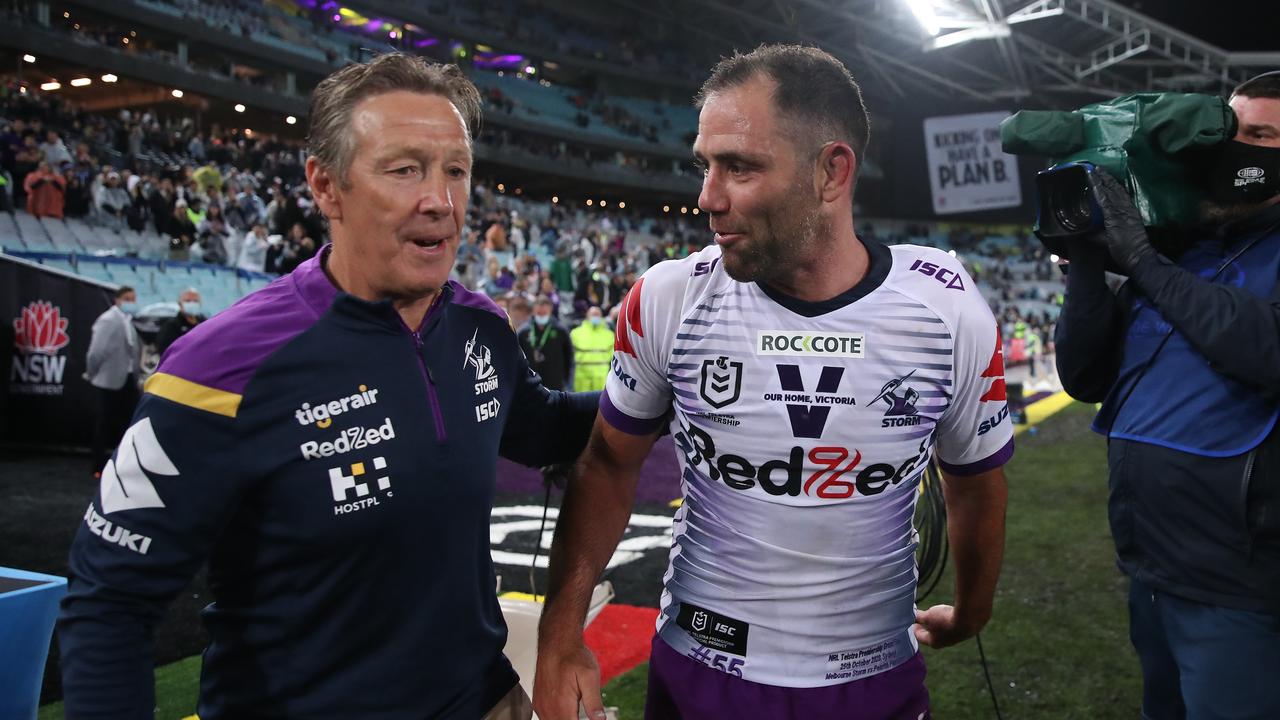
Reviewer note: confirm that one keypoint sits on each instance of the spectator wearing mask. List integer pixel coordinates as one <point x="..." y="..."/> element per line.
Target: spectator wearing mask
<point x="112" y="367"/>
<point x="190" y="314"/>
<point x="46" y="192"/>
<point x="547" y="345"/>
<point x="592" y="350"/>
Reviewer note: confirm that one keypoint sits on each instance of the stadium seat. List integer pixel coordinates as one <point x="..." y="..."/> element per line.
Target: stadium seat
<point x="59" y="235"/>
<point x="33" y="233"/>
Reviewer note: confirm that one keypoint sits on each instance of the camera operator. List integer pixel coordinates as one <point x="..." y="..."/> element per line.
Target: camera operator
<point x="1186" y="359"/>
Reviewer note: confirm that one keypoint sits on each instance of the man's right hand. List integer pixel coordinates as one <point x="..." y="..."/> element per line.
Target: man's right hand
<point x="566" y="675"/>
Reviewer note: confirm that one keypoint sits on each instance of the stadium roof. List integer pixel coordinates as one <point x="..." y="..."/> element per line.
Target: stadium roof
<point x="1050" y="53"/>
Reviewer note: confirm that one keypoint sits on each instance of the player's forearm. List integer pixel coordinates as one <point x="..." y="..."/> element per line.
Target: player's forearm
<point x="975" y="529"/>
<point x="594" y="514"/>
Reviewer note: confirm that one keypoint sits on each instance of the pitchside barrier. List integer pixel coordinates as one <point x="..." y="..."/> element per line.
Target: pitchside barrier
<point x="46" y="317"/>
<point x="28" y="608"/>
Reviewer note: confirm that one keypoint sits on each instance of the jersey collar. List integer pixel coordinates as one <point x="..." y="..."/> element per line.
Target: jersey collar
<point x="879" y="262"/>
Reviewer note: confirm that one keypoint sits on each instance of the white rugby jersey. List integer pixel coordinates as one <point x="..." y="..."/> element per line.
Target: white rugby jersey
<point x="803" y="440"/>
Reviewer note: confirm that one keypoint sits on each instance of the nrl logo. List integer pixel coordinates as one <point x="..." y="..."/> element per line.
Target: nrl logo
<point x="721" y="382"/>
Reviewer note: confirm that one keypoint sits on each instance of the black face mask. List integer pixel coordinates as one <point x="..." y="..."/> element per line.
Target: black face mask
<point x="1245" y="174"/>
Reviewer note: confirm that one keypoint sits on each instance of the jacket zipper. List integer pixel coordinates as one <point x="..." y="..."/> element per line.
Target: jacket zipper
<point x="432" y="398"/>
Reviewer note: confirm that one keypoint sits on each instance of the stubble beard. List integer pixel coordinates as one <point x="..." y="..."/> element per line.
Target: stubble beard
<point x="788" y="233"/>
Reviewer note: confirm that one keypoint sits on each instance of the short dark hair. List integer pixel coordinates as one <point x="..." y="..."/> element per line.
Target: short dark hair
<point x="124" y="290"/>
<point x="330" y="138"/>
<point x="1266" y="85"/>
<point x="813" y="88"/>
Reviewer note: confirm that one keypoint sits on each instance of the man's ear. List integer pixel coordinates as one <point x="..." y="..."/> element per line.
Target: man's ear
<point x="325" y="189"/>
<point x="837" y="167"/>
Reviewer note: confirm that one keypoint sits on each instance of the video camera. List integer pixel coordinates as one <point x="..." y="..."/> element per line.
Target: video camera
<point x="1153" y="143"/>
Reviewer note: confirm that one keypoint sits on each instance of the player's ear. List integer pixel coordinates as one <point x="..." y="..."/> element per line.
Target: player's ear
<point x="837" y="166"/>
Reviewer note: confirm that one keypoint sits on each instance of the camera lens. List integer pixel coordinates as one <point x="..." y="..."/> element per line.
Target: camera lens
<point x="1070" y="204"/>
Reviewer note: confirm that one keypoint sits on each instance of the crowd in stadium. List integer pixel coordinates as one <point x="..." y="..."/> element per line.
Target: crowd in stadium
<point x="237" y="199"/>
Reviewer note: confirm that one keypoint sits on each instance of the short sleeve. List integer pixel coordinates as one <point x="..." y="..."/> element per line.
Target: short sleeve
<point x="976" y="435"/>
<point x="637" y="393"/>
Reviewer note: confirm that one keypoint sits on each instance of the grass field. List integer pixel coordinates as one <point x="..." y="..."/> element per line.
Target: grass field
<point x="1057" y="646"/>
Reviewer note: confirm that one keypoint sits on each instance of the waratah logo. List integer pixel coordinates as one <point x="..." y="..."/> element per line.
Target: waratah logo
<point x="40" y="329"/>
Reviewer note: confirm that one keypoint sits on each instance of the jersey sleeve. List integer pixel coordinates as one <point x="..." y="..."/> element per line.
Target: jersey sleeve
<point x="164" y="497"/>
<point x="975" y="434"/>
<point x="637" y="393"/>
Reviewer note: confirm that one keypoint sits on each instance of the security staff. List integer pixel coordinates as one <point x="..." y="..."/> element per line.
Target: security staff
<point x="1186" y="360"/>
<point x="592" y="349"/>
<point x="546" y="343"/>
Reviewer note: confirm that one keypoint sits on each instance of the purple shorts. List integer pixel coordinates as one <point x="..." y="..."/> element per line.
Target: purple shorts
<point x="680" y="687"/>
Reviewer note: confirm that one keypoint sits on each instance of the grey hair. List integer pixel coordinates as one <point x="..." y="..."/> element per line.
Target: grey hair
<point x="330" y="138"/>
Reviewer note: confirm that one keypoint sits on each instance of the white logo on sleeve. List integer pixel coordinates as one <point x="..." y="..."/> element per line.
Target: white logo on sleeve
<point x="125" y="485"/>
<point x="479" y="357"/>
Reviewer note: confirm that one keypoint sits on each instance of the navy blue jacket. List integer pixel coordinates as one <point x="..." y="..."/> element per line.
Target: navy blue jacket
<point x="336" y="470"/>
<point x="1201" y="525"/>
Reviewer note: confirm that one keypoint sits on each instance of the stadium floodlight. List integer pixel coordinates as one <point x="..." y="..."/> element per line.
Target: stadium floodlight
<point x="696" y="211"/>
<point x="29" y="58"/>
<point x="291" y="120"/>
<point x="590" y="202"/>
<point x="622" y="205"/>
<point x="81" y="82"/>
<point x="684" y="210"/>
<point x="109" y="78"/>
<point x="177" y="93"/>
<point x="392" y="34"/>
<point x="239" y="107"/>
<point x="530" y="70"/>
<point x="925" y="15"/>
<point x="603" y="203"/>
<point x="50" y="86"/>
<point x="666" y="208"/>
<point x="555" y="199"/>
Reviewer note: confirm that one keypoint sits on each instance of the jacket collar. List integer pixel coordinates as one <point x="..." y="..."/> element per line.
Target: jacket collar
<point x="320" y="294"/>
